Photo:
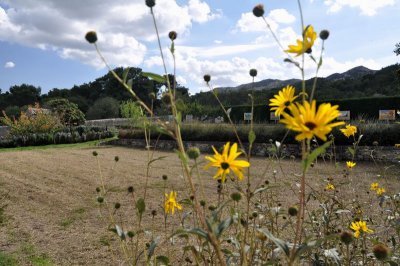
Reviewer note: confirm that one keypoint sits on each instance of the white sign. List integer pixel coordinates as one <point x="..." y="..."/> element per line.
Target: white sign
<point x="273" y="117"/>
<point x="247" y="116"/>
<point x="344" y="115"/>
<point x="387" y="114"/>
<point x="189" y="118"/>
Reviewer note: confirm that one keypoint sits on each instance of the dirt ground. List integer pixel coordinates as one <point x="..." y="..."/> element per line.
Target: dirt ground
<point x="52" y="215"/>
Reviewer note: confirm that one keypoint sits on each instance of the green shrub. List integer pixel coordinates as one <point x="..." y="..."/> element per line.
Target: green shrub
<point x="384" y="134"/>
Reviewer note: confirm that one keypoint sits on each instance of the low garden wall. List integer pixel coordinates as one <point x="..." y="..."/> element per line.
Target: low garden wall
<point x="364" y="153"/>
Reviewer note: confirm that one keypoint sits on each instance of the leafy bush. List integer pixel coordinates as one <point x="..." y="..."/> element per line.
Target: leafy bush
<point x="383" y="134"/>
<point x="63" y="136"/>
<point x="34" y="120"/>
<point x="68" y="112"/>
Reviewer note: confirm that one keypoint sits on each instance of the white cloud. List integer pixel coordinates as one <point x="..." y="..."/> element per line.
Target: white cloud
<point x="201" y="12"/>
<point x="367" y="7"/>
<point x="123" y="28"/>
<point x="9" y="64"/>
<point x="249" y="23"/>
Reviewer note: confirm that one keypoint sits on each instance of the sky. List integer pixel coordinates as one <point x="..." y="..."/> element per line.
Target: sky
<point x="42" y="41"/>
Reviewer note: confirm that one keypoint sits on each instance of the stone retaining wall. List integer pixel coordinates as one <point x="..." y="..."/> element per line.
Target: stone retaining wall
<point x="364" y="153"/>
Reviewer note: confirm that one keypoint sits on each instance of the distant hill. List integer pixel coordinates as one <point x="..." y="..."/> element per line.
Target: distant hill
<point x="354" y="73"/>
<point x="266" y="84"/>
<point x="358" y="82"/>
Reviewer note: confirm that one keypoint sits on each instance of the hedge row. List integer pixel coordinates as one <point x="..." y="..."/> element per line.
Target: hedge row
<point x="378" y="133"/>
<point x="362" y="107"/>
<point x="65" y="136"/>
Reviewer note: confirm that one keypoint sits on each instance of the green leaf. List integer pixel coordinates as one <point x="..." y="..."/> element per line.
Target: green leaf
<point x="252" y="137"/>
<point x="314" y="154"/>
<point x="140" y="206"/>
<point x="223" y="226"/>
<point x="351" y="150"/>
<point x="130" y="83"/>
<point x="194" y="231"/>
<point x="125" y="74"/>
<point x="157" y="159"/>
<point x="154" y="77"/>
<point x="178" y="118"/>
<point x="182" y="157"/>
<point x="320" y="62"/>
<point x="163" y="260"/>
<point x="153" y="245"/>
<point x="279" y="242"/>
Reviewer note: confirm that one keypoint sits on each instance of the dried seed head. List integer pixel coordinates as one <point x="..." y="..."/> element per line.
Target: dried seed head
<point x="100" y="199"/>
<point x="292" y="211"/>
<point x="324" y="34"/>
<point x="116" y="158"/>
<point x="172" y="35"/>
<point x="346" y="237"/>
<point x="381" y="251"/>
<point x="130" y="234"/>
<point x="95" y="153"/>
<point x="258" y="10"/>
<point x="117" y="205"/>
<point x="253" y="72"/>
<point x="165" y="177"/>
<point x="153" y="213"/>
<point x="207" y="78"/>
<point x="98" y="189"/>
<point x="202" y="203"/>
<point x="150" y="3"/>
<point x="91" y="36"/>
<point x="131" y="189"/>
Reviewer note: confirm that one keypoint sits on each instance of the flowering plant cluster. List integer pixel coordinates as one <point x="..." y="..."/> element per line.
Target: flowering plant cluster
<point x="247" y="221"/>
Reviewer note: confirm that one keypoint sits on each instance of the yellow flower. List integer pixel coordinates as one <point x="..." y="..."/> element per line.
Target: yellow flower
<point x="397" y="145"/>
<point x="360" y="227"/>
<point x="170" y="204"/>
<point x="330" y="187"/>
<point x="282" y="100"/>
<point x="310" y="122"/>
<point x="349" y="130"/>
<point x="380" y="191"/>
<point x="374" y="186"/>
<point x="226" y="162"/>
<point x="350" y="164"/>
<point x="305" y="45"/>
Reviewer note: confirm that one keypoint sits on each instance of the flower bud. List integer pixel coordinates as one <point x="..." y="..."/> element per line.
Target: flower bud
<point x="172" y="35"/>
<point x="91" y="36"/>
<point x="236" y="196"/>
<point x="117" y="205"/>
<point x="193" y="153"/>
<point x="258" y="10"/>
<point x="95" y="153"/>
<point x="324" y="34"/>
<point x="207" y="78"/>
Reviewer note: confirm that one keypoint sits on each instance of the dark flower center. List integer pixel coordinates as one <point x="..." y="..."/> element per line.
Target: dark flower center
<point x="287" y="103"/>
<point x="310" y="125"/>
<point x="224" y="165"/>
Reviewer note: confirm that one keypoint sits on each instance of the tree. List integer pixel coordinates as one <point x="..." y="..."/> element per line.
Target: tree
<point x="103" y="108"/>
<point x="133" y="112"/>
<point x="68" y="112"/>
<point x="24" y="94"/>
<point x="397" y="49"/>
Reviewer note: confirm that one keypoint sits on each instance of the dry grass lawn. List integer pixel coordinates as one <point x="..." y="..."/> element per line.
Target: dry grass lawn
<point x="52" y="216"/>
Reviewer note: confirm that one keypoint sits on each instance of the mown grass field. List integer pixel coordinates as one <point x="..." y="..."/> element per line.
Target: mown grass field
<point x="51" y="215"/>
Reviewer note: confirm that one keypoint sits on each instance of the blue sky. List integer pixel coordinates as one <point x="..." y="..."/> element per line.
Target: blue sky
<point x="42" y="41"/>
